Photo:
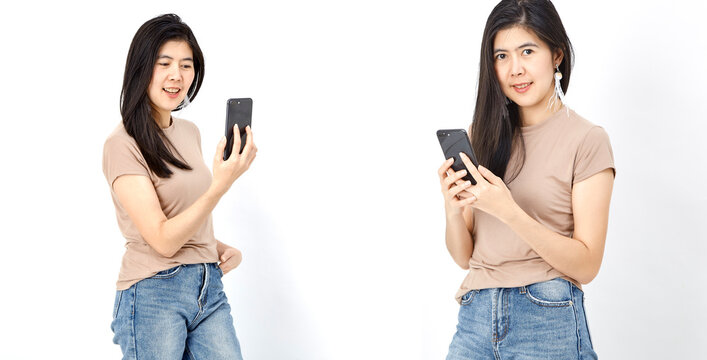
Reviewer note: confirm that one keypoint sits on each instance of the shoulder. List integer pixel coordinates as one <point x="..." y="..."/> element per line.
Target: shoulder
<point x="186" y="125"/>
<point x="584" y="130"/>
<point x="119" y="139"/>
<point x="187" y="130"/>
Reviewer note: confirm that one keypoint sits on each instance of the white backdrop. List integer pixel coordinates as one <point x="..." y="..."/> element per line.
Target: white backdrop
<point x="340" y="218"/>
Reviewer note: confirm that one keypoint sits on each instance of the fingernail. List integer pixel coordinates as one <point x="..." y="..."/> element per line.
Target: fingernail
<point x="467" y="183"/>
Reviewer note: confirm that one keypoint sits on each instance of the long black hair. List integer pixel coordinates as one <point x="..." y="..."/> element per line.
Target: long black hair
<point x="138" y="112"/>
<point x="496" y="125"/>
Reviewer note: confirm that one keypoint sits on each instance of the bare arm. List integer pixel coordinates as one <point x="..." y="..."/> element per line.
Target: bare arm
<point x="138" y="197"/>
<point x="578" y="257"/>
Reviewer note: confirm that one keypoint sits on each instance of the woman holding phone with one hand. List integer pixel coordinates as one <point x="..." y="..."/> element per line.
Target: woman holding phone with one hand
<point x="170" y="301"/>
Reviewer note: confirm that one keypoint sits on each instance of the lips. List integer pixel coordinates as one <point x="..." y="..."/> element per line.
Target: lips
<point x="522" y="87"/>
<point x="172" y="91"/>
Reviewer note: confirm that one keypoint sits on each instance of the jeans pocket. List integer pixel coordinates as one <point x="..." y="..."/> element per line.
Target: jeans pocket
<point x="166" y="274"/>
<point x="551" y="293"/>
<point x="468" y="297"/>
<point x="116" y="306"/>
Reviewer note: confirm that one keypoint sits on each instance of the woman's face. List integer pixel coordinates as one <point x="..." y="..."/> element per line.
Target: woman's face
<point x="172" y="76"/>
<point x="525" y="66"/>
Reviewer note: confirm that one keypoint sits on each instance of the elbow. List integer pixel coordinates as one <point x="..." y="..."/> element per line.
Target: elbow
<point x="165" y="251"/>
<point x="463" y="263"/>
<point x="161" y="242"/>
<point x="162" y="247"/>
<point x="587" y="276"/>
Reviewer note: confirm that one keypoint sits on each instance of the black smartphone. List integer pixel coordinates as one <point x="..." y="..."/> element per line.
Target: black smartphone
<point x="454" y="141"/>
<point x="238" y="111"/>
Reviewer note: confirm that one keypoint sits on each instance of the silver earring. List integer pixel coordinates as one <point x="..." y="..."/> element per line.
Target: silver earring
<point x="559" y="94"/>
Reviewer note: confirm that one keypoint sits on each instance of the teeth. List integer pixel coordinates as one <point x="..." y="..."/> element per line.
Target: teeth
<point x="522" y="86"/>
<point x="173" y="91"/>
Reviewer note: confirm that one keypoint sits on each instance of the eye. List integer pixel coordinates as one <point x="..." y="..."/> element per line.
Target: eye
<point x="500" y="56"/>
<point x="527" y="51"/>
<point x="186" y="66"/>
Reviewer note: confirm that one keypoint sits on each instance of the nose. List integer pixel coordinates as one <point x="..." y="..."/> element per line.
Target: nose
<point x="174" y="73"/>
<point x="517" y="68"/>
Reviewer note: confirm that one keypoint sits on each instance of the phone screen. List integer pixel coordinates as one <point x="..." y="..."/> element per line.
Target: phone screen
<point x="238" y="111"/>
<point x="453" y="142"/>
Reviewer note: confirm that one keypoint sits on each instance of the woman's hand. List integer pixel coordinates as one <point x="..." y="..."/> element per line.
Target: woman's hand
<point x="229" y="256"/>
<point x="227" y="171"/>
<point x="454" y="188"/>
<point x="490" y="194"/>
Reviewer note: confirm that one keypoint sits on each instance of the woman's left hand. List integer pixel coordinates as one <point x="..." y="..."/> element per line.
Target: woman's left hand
<point x="230" y="259"/>
<point x="491" y="193"/>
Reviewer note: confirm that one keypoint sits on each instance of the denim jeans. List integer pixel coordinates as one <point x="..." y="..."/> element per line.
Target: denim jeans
<point x="180" y="313"/>
<point x="545" y="320"/>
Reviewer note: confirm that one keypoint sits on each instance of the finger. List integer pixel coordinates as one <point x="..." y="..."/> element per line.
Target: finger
<point x="468" y="201"/>
<point x="493" y="179"/>
<point x="236" y="142"/>
<point x="442" y="172"/>
<point x="455" y="190"/>
<point x="466" y="193"/>
<point x="462" y="202"/>
<point x="455" y="178"/>
<point x="472" y="169"/>
<point x="249" y="144"/>
<point x="220" y="147"/>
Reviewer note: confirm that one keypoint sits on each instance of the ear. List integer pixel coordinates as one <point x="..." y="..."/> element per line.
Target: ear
<point x="558" y="56"/>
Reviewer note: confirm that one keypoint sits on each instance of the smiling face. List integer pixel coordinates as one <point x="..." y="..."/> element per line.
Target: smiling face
<point x="172" y="76"/>
<point x="525" y="67"/>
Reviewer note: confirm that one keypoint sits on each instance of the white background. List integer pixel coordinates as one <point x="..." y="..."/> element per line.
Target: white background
<point x="340" y="218"/>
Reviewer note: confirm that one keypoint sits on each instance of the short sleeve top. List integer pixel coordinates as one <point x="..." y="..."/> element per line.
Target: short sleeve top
<point x="122" y="156"/>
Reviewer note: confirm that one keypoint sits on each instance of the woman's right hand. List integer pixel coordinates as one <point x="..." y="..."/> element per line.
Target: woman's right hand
<point x="454" y="188"/>
<point x="227" y="171"/>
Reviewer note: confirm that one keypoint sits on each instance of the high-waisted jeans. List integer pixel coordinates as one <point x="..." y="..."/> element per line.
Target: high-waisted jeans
<point x="180" y="313"/>
<point x="545" y="320"/>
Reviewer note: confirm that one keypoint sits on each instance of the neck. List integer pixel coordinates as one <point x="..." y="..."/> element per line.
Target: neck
<point x="163" y="119"/>
<point x="531" y="115"/>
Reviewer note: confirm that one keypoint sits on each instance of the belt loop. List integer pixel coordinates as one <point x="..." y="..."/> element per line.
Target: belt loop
<point x="522" y="290"/>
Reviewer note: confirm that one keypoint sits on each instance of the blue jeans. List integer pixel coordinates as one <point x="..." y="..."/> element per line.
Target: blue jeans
<point x="180" y="313"/>
<point x="545" y="320"/>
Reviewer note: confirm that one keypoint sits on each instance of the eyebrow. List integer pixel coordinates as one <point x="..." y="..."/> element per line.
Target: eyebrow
<point x="526" y="44"/>
<point x="171" y="58"/>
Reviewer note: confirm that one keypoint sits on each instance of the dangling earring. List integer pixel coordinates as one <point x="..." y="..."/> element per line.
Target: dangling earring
<point x="559" y="94"/>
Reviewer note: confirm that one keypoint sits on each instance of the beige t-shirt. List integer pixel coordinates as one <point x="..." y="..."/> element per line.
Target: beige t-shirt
<point x="560" y="151"/>
<point x="121" y="156"/>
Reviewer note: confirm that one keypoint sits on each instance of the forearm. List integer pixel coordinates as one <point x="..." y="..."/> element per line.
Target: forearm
<point x="175" y="232"/>
<point x="569" y="256"/>
<point x="458" y="240"/>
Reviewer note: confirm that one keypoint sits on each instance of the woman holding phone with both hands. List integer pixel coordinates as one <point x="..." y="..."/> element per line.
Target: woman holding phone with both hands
<point x="532" y="230"/>
<point x="170" y="302"/>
